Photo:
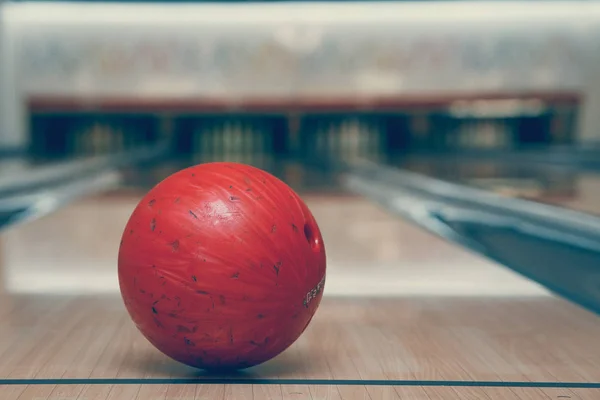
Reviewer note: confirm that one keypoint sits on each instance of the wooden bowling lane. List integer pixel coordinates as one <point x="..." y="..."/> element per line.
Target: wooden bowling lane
<point x="270" y="392"/>
<point x="85" y="345"/>
<point x="405" y="316"/>
<point x="370" y="253"/>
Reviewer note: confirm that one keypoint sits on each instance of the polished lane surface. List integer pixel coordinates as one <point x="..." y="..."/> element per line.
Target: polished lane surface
<point x="404" y="312"/>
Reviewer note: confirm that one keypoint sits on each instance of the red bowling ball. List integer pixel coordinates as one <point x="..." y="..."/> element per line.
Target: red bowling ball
<point x="221" y="266"/>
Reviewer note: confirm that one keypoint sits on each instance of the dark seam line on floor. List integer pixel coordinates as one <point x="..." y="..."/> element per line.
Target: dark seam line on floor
<point x="339" y="382"/>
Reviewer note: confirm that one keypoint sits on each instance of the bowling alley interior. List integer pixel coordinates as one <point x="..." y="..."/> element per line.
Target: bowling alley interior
<point x="299" y="200"/>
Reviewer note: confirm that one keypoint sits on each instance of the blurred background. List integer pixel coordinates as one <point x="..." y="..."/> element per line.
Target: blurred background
<point x="254" y="81"/>
<point x="493" y="94"/>
<point x="449" y="151"/>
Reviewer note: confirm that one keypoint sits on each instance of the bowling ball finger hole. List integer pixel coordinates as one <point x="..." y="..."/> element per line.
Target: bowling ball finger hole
<point x="312" y="240"/>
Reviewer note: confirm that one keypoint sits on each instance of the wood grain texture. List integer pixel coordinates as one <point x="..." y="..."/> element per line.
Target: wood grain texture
<point x="447" y="339"/>
<point x="285" y="392"/>
<point x="496" y="330"/>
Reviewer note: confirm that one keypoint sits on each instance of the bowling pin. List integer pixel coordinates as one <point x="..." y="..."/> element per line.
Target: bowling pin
<point x="352" y="138"/>
<point x="319" y="136"/>
<point x="467" y="128"/>
<point x="79" y="135"/>
<point x="119" y="140"/>
<point x="104" y="144"/>
<point x="343" y="135"/>
<point x="195" y="143"/>
<point x="253" y="144"/>
<point x="333" y="139"/>
<point x="499" y="131"/>
<point x="355" y="134"/>
<point x="202" y="134"/>
<point x="366" y="131"/>
<point x="75" y="136"/>
<point x="362" y="133"/>
<point x="248" y="143"/>
<point x="323" y="138"/>
<point x="86" y="140"/>
<point x="238" y="142"/>
<point x="325" y="128"/>
<point x="216" y="136"/>
<point x="343" y="142"/>
<point x="503" y="137"/>
<point x="341" y="138"/>
<point x="81" y="139"/>
<point x="474" y="135"/>
<point x="93" y="142"/>
<point x="375" y="143"/>
<point x="247" y="131"/>
<point x="487" y="133"/>
<point x="484" y="135"/>
<point x="492" y="134"/>
<point x="219" y="138"/>
<point x="223" y="134"/>
<point x="228" y="139"/>
<point x="100" y="140"/>
<point x="110" y="140"/>
<point x="96" y="139"/>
